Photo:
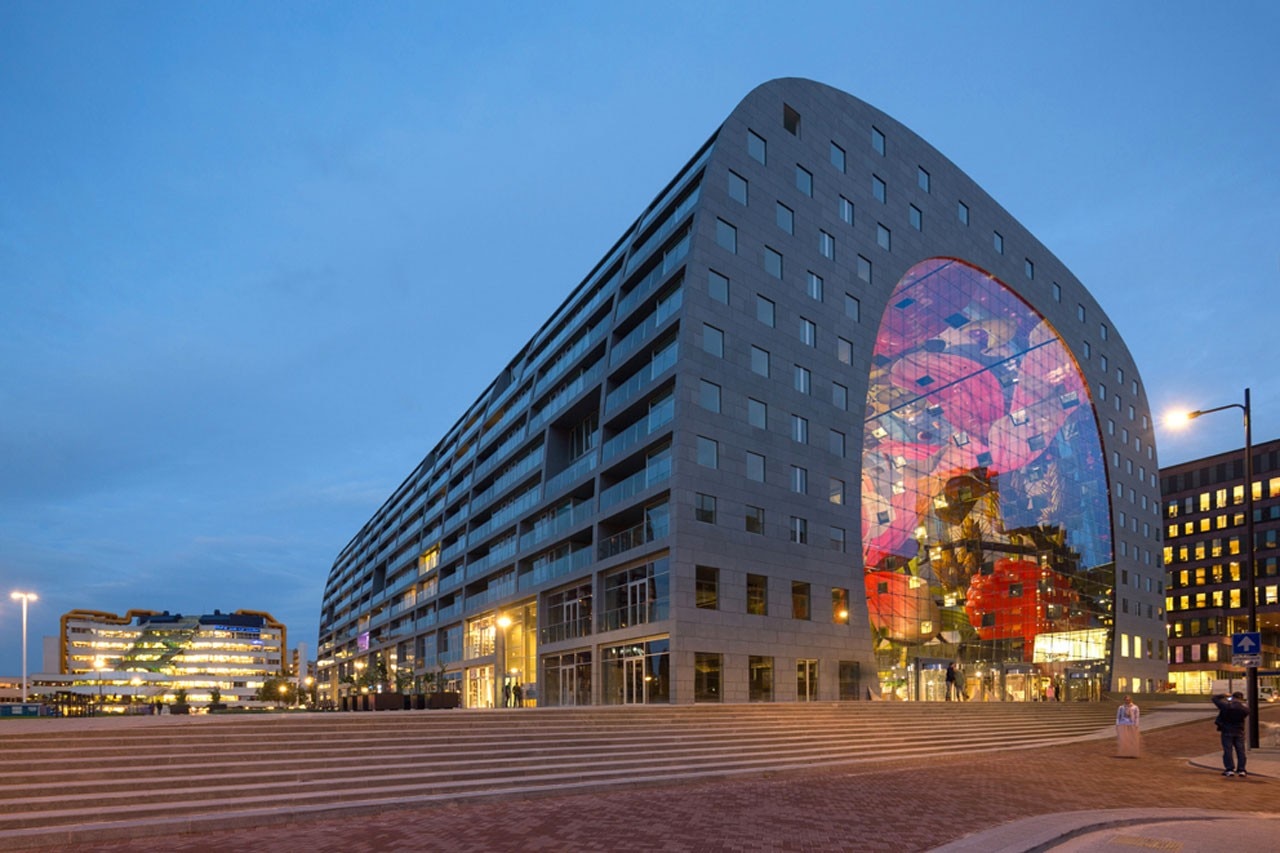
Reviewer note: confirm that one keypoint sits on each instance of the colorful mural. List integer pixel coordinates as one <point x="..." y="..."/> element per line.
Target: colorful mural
<point x="986" y="522"/>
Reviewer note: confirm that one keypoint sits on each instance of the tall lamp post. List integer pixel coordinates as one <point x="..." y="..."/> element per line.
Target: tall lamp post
<point x="1251" y="672"/>
<point x="25" y="598"/>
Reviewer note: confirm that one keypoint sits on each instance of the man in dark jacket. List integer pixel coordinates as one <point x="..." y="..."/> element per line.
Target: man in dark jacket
<point x="1232" y="713"/>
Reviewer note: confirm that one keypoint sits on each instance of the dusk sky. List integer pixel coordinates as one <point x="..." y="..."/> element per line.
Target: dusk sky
<point x="256" y="258"/>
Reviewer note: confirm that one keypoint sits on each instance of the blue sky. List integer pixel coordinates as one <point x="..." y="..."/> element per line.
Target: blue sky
<point x="255" y="259"/>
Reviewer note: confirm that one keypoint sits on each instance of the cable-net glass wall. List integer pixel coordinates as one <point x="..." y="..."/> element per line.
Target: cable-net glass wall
<point x="986" y="525"/>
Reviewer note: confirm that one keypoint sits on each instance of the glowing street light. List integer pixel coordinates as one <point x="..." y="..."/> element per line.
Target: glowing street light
<point x="25" y="598"/>
<point x="1251" y="672"/>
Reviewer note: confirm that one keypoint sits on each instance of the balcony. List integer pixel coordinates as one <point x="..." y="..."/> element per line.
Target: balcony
<point x="635" y="484"/>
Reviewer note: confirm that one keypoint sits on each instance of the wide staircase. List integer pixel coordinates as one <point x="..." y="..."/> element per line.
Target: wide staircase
<point x="63" y="783"/>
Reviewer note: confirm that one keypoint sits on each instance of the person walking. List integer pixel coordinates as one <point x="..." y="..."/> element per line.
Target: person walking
<point x="951" y="681"/>
<point x="1232" y="713"/>
<point x="1128" y="740"/>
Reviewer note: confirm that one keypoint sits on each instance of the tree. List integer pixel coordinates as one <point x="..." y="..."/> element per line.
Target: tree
<point x="271" y="691"/>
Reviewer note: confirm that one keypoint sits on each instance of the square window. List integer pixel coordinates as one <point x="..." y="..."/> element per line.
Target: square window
<point x="754" y="519"/>
<point x="844" y="350"/>
<point x="1029" y="268"/>
<point x="755" y="467"/>
<point x="852" y="307"/>
<point x="962" y="212"/>
<point x="997" y="240"/>
<point x="713" y="340"/>
<point x="708" y="452"/>
<point x="804" y="180"/>
<point x="864" y="269"/>
<point x="726" y="236"/>
<point x="813" y="283"/>
<point x="718" y="287"/>
<point x="737" y="188"/>
<point x="707" y="588"/>
<point x="837" y="156"/>
<point x="840" y="396"/>
<point x="878" y="189"/>
<point x="757" y="595"/>
<point x="772" y="262"/>
<point x="877" y="141"/>
<point x="883" y="237"/>
<point x="790" y="120"/>
<point x="709" y="395"/>
<point x="827" y="245"/>
<point x="757" y="413"/>
<point x="846" y="210"/>
<point x="756" y="146"/>
<point x="800" y="534"/>
<point x="803" y="379"/>
<point x="835" y="491"/>
<point x="759" y="361"/>
<point x="786" y="218"/>
<point x="922" y="178"/>
<point x="800" y="429"/>
<point x="704" y="508"/>
<point x="799" y="480"/>
<point x="916" y="217"/>
<point x="808" y="332"/>
<point x="766" y="311"/>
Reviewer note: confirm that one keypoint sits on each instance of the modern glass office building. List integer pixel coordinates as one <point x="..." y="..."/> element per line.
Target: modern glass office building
<point x="825" y="419"/>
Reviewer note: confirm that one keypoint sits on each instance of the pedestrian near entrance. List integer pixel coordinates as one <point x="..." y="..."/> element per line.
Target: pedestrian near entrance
<point x="1232" y="713"/>
<point x="951" y="681"/>
<point x="1128" y="738"/>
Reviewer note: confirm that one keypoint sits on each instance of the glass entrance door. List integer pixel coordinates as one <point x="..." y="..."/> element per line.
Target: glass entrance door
<point x="635" y="688"/>
<point x="480" y="687"/>
<point x="807" y="680"/>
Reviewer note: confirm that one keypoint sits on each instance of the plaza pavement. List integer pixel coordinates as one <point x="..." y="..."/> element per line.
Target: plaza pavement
<point x="1074" y="797"/>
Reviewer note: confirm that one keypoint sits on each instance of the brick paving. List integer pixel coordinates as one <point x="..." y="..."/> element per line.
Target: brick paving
<point x="910" y="805"/>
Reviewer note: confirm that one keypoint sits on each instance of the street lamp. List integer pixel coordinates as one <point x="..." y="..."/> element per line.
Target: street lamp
<point x="25" y="598"/>
<point x="1251" y="672"/>
<point x="284" y="690"/>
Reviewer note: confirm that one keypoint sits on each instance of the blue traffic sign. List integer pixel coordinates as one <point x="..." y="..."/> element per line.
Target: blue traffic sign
<point x="1246" y="648"/>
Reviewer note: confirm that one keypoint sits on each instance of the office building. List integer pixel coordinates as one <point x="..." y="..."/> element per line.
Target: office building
<point x="1204" y="547"/>
<point x="823" y="420"/>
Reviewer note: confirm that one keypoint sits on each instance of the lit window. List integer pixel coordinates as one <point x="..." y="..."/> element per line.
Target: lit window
<point x="756" y="146"/>
<point x="877" y="141"/>
<point x="837" y="157"/>
<point x="922" y="178"/>
<point x="707" y="590"/>
<point x="804" y="180"/>
<point x="878" y="189"/>
<point x="786" y="218"/>
<point x="718" y="287"/>
<point x="916" y="217"/>
<point x="726" y="236"/>
<point x="813" y="284"/>
<point x="766" y="311"/>
<point x="962" y="212"/>
<point x="737" y="188"/>
<point x="883" y="237"/>
<point x="839" y="606"/>
<point x="835" y="491"/>
<point x="772" y="262"/>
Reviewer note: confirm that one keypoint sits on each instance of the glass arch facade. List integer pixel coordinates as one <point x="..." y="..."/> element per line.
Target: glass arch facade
<point x="985" y="508"/>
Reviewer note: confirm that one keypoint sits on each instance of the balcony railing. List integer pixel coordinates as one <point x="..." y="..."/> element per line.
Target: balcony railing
<point x="634" y="485"/>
